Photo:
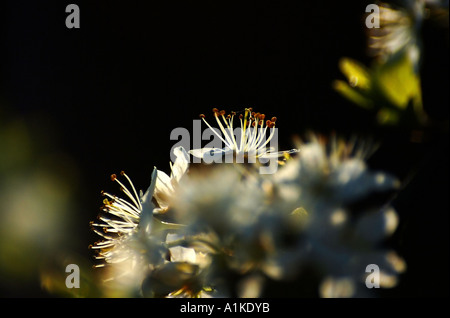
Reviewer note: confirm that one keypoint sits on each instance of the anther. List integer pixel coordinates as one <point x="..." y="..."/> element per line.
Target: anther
<point x="202" y="116"/>
<point x="122" y="173"/>
<point x="215" y="110"/>
<point x="274" y="119"/>
<point x="113" y="177"/>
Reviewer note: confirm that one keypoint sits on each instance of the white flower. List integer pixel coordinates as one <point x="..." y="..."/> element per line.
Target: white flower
<point x="242" y="221"/>
<point x="251" y="139"/>
<point x="166" y="186"/>
<point x="128" y="226"/>
<point x="122" y="217"/>
<point x="398" y="32"/>
<point x="127" y="248"/>
<point x="333" y="171"/>
<point x="324" y="180"/>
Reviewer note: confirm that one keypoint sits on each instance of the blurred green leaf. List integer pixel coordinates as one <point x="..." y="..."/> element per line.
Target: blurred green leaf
<point x="387" y="88"/>
<point x="398" y="81"/>
<point x="352" y="94"/>
<point x="356" y="73"/>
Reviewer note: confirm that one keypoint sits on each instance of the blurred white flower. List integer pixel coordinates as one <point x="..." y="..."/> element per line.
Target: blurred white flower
<point x="325" y="179"/>
<point x="332" y="172"/>
<point x="342" y="251"/>
<point x="399" y="31"/>
<point x="255" y="228"/>
<point x="245" y="225"/>
<point x="179" y="253"/>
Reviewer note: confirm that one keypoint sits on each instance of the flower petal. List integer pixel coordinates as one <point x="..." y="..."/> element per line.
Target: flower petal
<point x="200" y="153"/>
<point x="181" y="163"/>
<point x="163" y="189"/>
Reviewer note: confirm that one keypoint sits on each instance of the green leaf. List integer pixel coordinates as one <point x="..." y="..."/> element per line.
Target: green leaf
<point x="352" y="94"/>
<point x="397" y="81"/>
<point x="356" y="73"/>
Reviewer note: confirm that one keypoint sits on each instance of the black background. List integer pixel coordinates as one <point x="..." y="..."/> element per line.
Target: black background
<point x="112" y="91"/>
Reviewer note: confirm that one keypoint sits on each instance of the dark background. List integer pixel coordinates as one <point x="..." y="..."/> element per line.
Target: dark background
<point x="109" y="94"/>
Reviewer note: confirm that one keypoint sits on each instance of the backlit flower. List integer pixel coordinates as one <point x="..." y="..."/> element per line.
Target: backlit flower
<point x="248" y="140"/>
<point x="330" y="180"/>
<point x="399" y="30"/>
<point x="121" y="218"/>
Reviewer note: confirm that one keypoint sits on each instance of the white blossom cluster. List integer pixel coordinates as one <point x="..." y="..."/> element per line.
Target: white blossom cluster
<point x="225" y="230"/>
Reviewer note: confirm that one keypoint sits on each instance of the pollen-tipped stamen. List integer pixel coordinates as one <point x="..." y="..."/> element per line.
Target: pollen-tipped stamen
<point x="127" y="192"/>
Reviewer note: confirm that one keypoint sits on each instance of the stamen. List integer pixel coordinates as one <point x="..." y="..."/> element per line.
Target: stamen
<point x="121" y="202"/>
<point x="253" y="129"/>
<point x="229" y="141"/>
<point x="271" y="135"/>
<point x="231" y="138"/>
<point x="132" y="187"/>
<point x="262" y="136"/>
<point x="125" y="190"/>
<point x="214" y="131"/>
